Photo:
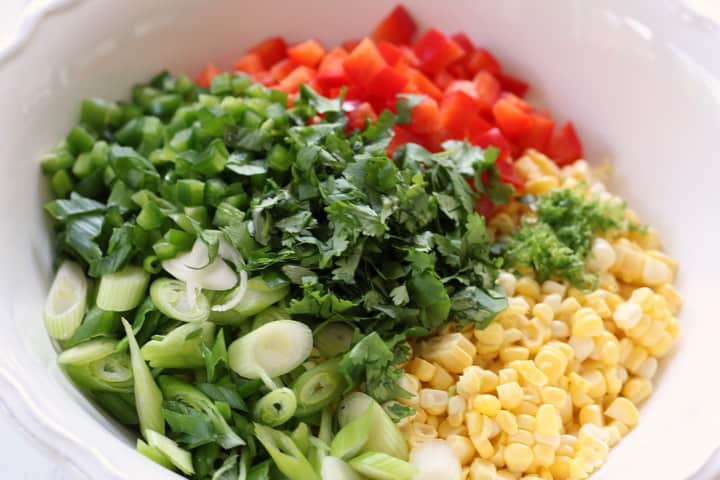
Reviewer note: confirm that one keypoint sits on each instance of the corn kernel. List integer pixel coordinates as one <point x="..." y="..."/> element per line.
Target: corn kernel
<point x="444" y="429"/>
<point x="488" y="381"/>
<point x="492" y="335"/>
<point x="567" y="308"/>
<point x="551" y="287"/>
<point x="548" y="422"/>
<point x="518" y="305"/>
<point x="483" y="470"/>
<point x="554" y="396"/>
<point x="672" y="296"/>
<point x="525" y="437"/>
<point x="655" y="272"/>
<point x="527" y="407"/>
<point x="410" y="384"/>
<point x="526" y="421"/>
<point x="422" y="369"/>
<point x="544" y="454"/>
<point x="586" y="323"/>
<point x="518" y="457"/>
<point x="627" y="315"/>
<point x="507" y="375"/>
<point x="420" y="415"/>
<point x="483" y="446"/>
<point x="540" y="185"/>
<point x="623" y="410"/>
<point x="639" y="330"/>
<point x="470" y="381"/>
<point x="498" y="458"/>
<point x="433" y="421"/>
<point x="635" y="359"/>
<point x="653" y="334"/>
<point x="559" y="330"/>
<point x="510" y="395"/>
<point x="434" y="402"/>
<point x="486" y="404"/>
<point x="637" y="389"/>
<point x="602" y="256"/>
<point x="582" y="346"/>
<point x="442" y="380"/>
<point x="456" y="410"/>
<point x="507" y="422"/>
<point x="561" y="467"/>
<point x="663" y="346"/>
<point x="422" y="431"/>
<point x="453" y="351"/>
<point x="509" y="354"/>
<point x="530" y="373"/>
<point x="613" y="434"/>
<point x="511" y="335"/>
<point x="462" y="447"/>
<point x="508" y="282"/>
<point x="551" y="362"/>
<point x="591" y="414"/>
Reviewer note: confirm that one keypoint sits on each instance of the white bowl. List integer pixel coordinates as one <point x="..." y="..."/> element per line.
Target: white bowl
<point x="641" y="80"/>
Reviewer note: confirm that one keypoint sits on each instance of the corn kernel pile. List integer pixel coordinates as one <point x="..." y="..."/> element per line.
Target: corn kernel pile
<point x="556" y="379"/>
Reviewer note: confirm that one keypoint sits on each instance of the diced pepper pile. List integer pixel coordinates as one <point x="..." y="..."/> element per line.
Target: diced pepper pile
<point x="468" y="95"/>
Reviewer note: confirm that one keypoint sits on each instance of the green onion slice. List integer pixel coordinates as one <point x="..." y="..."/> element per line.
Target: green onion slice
<point x="195" y="268"/>
<point x="179" y="348"/>
<point x="235" y="296"/>
<point x="179" y="457"/>
<point x="65" y="304"/>
<point x="351" y="439"/>
<point x="335" y="469"/>
<point x="287" y="456"/>
<point x="381" y="466"/>
<point x="88" y="352"/>
<point x="276" y="407"/>
<point x="179" y="301"/>
<point x="318" y="387"/>
<point x="122" y="291"/>
<point x="272" y="350"/>
<point x="153" y="454"/>
<point x="333" y="338"/>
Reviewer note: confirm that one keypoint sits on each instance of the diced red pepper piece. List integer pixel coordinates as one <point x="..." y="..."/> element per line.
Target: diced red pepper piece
<point x="435" y="51"/>
<point x="357" y="112"/>
<point x="364" y="62"/>
<point x="206" y="75"/>
<point x="387" y="83"/>
<point x="331" y="72"/>
<point x="425" y="117"/>
<point x="443" y="79"/>
<point x="308" y="53"/>
<point x="250" y="63"/>
<point x="477" y="126"/>
<point x="421" y="83"/>
<point x="409" y="57"/>
<point x="458" y="70"/>
<point x="465" y="86"/>
<point x="482" y="59"/>
<point x="512" y="115"/>
<point x="397" y="27"/>
<point x="492" y="137"/>
<point x="539" y="134"/>
<point x="349" y="45"/>
<point x="513" y="84"/>
<point x="464" y="41"/>
<point x="487" y="91"/>
<point x="270" y="51"/>
<point x="485" y="207"/>
<point x="391" y="53"/>
<point x="281" y="70"/>
<point x="457" y="112"/>
<point x="401" y="136"/>
<point x="565" y="146"/>
<point x="508" y="173"/>
<point x="292" y="82"/>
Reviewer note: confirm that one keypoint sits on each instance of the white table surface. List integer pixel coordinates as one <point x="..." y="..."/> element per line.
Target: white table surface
<point x="23" y="456"/>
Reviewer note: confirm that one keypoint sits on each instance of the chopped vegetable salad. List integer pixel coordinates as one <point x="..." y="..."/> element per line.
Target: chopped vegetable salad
<point x="375" y="261"/>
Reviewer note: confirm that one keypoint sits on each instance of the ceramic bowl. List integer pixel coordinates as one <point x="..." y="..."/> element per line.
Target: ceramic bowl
<point x="641" y="80"/>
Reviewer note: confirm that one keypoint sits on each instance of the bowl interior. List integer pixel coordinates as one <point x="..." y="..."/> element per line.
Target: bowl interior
<point x="641" y="84"/>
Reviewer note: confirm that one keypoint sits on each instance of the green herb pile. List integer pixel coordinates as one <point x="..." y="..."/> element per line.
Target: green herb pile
<point x="366" y="250"/>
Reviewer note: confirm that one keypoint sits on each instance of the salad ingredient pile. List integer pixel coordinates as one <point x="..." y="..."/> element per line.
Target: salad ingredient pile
<point x="373" y="262"/>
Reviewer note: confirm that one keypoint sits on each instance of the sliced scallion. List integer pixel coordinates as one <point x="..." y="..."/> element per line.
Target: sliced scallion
<point x="179" y="457"/>
<point x="335" y="469"/>
<point x="234" y="297"/>
<point x="194" y="267"/>
<point x="112" y="373"/>
<point x="88" y="352"/>
<point x="334" y="338"/>
<point x="257" y="298"/>
<point x="65" y="305"/>
<point x="123" y="290"/>
<point x="179" y="348"/>
<point x="351" y="439"/>
<point x="272" y="350"/>
<point x="148" y="397"/>
<point x="153" y="454"/>
<point x="276" y="407"/>
<point x="177" y="301"/>
<point x="318" y="387"/>
<point x="381" y="466"/>
<point x="287" y="456"/>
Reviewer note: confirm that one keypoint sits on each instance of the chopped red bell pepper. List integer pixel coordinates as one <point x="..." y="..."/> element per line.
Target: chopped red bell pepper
<point x="387" y="83"/>
<point x="270" y="51"/>
<point x="422" y="83"/>
<point x="465" y="86"/>
<point x="435" y="51"/>
<point x="512" y="115"/>
<point x="331" y="72"/>
<point x="482" y="59"/>
<point x="390" y="52"/>
<point x="565" y="146"/>
<point x="457" y="112"/>
<point x="250" y="63"/>
<point x="281" y="70"/>
<point x="364" y="62"/>
<point x="513" y="84"/>
<point x="357" y="112"/>
<point x="425" y="117"/>
<point x="206" y="75"/>
<point x="308" y="53"/>
<point x="464" y="41"/>
<point x="300" y="75"/>
<point x="487" y="91"/>
<point x="397" y="27"/>
<point x="539" y="133"/>
<point x="493" y="137"/>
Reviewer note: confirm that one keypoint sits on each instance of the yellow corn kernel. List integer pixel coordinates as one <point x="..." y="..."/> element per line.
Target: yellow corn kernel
<point x="433" y="421"/>
<point x="434" y="402"/>
<point x="639" y="330"/>
<point x="544" y="313"/>
<point x="509" y="354"/>
<point x="422" y="431"/>
<point x="644" y="297"/>
<point x="608" y="349"/>
<point x="591" y="414"/>
<point x="518" y="457"/>
<point x="579" y="388"/>
<point x="527" y="287"/>
<point x="525" y="437"/>
<point x="565" y="450"/>
<point x="462" y="447"/>
<point x="510" y="395"/>
<point x="505" y="475"/>
<point x="507" y="422"/>
<point x="586" y="323"/>
<point x="663" y="346"/>
<point x="567" y="308"/>
<point x="551" y="362"/>
<point x="486" y="404"/>
<point x="598" y="386"/>
<point x="488" y="381"/>
<point x="554" y="396"/>
<point x="453" y="351"/>
<point x="470" y="381"/>
<point x="456" y="410"/>
<point x="623" y="410"/>
<point x="602" y="256"/>
<point x="551" y="287"/>
<point x="422" y="369"/>
<point x="442" y="380"/>
<point x="420" y="415"/>
<point x="483" y="446"/>
<point x="492" y="335"/>
<point x="559" y="329"/>
<point x="637" y="389"/>
<point x="518" y="305"/>
<point x="511" y="335"/>
<point x="612" y="380"/>
<point x="635" y="359"/>
<point x="410" y="384"/>
<point x="483" y="470"/>
<point x="474" y="422"/>
<point x="507" y="375"/>
<point x="653" y="335"/>
<point x="530" y="373"/>
<point x="613" y="434"/>
<point x="560" y="468"/>
<point x="526" y="421"/>
<point x="508" y="282"/>
<point x="444" y="429"/>
<point x="544" y="454"/>
<point x="655" y="272"/>
<point x="547" y="420"/>
<point x="596" y="301"/>
<point x="672" y="296"/>
<point x="498" y="458"/>
<point x="527" y="407"/>
<point x="582" y="347"/>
